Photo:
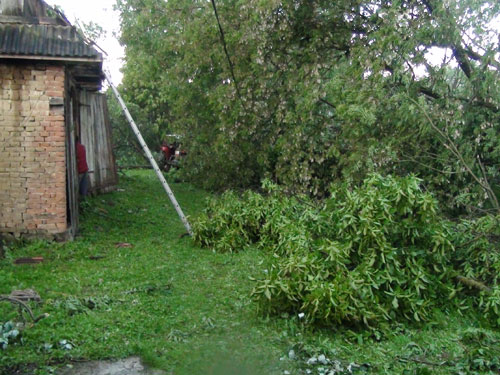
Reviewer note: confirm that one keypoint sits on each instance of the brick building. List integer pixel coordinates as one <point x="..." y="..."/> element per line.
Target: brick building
<point x="50" y="77"/>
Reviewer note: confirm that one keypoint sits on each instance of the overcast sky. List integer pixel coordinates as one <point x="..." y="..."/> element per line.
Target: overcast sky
<point x="102" y="13"/>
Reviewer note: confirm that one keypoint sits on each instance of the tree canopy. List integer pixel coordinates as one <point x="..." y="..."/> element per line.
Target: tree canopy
<point x="309" y="92"/>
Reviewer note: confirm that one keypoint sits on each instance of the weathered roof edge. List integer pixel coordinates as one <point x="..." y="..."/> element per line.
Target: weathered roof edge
<point x="52" y="58"/>
<point x="37" y="29"/>
<point x="31" y="9"/>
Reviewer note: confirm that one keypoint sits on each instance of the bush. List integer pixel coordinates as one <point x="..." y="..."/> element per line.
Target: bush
<point x="376" y="253"/>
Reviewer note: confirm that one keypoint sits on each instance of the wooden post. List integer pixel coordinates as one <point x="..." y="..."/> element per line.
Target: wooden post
<point x="149" y="155"/>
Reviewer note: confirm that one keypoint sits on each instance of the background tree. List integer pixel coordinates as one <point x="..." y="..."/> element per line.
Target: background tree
<point x="308" y="92"/>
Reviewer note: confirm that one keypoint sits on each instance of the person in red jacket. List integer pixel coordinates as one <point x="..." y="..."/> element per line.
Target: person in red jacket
<point x="167" y="151"/>
<point x="83" y="169"/>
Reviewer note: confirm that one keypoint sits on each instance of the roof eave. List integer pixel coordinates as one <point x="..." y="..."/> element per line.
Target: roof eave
<point x="54" y="58"/>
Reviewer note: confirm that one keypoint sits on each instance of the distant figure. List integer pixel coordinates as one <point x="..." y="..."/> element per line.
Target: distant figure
<point x="168" y="159"/>
<point x="83" y="169"/>
<point x="167" y="151"/>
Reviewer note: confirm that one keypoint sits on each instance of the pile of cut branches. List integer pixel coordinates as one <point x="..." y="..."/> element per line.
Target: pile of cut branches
<point x="375" y="253"/>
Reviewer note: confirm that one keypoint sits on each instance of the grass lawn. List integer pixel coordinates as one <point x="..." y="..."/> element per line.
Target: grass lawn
<point x="187" y="310"/>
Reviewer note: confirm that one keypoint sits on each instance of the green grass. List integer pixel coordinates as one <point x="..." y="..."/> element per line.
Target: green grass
<point x="187" y="310"/>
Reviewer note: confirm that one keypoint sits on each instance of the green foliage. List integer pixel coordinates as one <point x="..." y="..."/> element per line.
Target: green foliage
<point x="483" y="352"/>
<point x="478" y="256"/>
<point x="162" y="299"/>
<point x="126" y="148"/>
<point x="76" y="305"/>
<point x="8" y="334"/>
<point x="6" y="277"/>
<point x="377" y="253"/>
<point x="233" y="221"/>
<point x="91" y="30"/>
<point x="186" y="310"/>
<point x="324" y="91"/>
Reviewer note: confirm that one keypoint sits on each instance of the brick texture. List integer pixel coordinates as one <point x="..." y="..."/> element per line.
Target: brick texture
<point x="32" y="150"/>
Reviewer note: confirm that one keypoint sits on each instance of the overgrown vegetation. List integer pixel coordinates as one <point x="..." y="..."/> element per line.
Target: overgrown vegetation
<point x="377" y="253"/>
<point x="314" y="92"/>
<point x="189" y="311"/>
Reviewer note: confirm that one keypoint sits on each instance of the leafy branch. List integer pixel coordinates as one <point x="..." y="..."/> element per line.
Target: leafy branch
<point x="450" y="145"/>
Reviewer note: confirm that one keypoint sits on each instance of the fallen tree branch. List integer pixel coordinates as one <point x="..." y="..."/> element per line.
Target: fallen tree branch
<point x="474" y="284"/>
<point x="422" y="361"/>
<point x="23" y="306"/>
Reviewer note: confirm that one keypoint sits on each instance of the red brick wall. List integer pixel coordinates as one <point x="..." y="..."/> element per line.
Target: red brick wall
<point x="32" y="150"/>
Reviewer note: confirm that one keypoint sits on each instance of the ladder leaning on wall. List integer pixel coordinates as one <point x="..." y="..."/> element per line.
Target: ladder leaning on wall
<point x="150" y="157"/>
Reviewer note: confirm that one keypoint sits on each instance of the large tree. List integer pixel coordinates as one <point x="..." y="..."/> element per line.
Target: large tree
<point x="308" y="92"/>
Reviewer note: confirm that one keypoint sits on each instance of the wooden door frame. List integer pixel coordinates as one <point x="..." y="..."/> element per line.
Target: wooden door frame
<point x="70" y="108"/>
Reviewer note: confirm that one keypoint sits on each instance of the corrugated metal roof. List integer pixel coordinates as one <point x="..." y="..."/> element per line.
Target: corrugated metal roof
<point x="44" y="40"/>
<point x="26" y="8"/>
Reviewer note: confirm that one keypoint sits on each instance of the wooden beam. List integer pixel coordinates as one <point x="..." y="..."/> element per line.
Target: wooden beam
<point x="30" y="20"/>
